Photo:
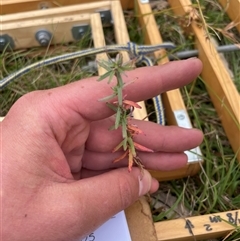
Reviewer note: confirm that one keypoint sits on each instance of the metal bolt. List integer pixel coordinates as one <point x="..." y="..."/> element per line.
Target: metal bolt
<point x="6" y="42"/>
<point x="106" y="17"/>
<point x="43" y="37"/>
<point x="79" y="31"/>
<point x="3" y="42"/>
<point x="102" y="15"/>
<point x="43" y="6"/>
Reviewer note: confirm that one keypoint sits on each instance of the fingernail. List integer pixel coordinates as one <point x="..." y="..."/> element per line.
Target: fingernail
<point x="145" y="182"/>
<point x="191" y="58"/>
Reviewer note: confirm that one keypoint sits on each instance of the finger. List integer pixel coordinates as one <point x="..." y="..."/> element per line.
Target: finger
<point x="83" y="96"/>
<point x="119" y="189"/>
<point x="154" y="136"/>
<point x="98" y="161"/>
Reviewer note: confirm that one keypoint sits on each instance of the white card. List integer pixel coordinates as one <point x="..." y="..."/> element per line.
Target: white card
<point x="116" y="228"/>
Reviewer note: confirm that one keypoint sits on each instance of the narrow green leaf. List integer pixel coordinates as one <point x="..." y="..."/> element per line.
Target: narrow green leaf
<point x="124" y="128"/>
<point x="108" y="97"/>
<point x="119" y="79"/>
<point x="113" y="107"/>
<point x="105" y="64"/>
<point x="124" y="116"/>
<point x="111" y="76"/>
<point x="119" y="59"/>
<point x="121" y="71"/>
<point x="118" y="118"/>
<point x="104" y="76"/>
<point x="118" y="146"/>
<point x="131" y="146"/>
<point x="119" y="94"/>
<point x="125" y="144"/>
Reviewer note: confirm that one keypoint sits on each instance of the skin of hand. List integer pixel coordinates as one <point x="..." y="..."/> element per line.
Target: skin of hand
<point x="58" y="179"/>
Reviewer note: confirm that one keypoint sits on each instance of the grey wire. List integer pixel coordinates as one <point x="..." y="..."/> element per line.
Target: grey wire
<point x="194" y="53"/>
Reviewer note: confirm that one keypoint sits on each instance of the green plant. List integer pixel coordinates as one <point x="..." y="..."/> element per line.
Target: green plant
<point x="123" y="109"/>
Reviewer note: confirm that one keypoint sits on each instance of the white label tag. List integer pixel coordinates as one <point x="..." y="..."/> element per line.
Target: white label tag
<point x="182" y="119"/>
<point x="115" y="228"/>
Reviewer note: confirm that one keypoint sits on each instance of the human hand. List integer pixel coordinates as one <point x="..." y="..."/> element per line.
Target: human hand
<point x="58" y="178"/>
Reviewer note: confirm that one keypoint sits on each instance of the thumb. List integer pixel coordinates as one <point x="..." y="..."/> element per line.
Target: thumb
<point x="100" y="197"/>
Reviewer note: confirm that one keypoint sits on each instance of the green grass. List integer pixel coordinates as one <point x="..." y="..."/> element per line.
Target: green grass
<point x="43" y="78"/>
<point x="216" y="187"/>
